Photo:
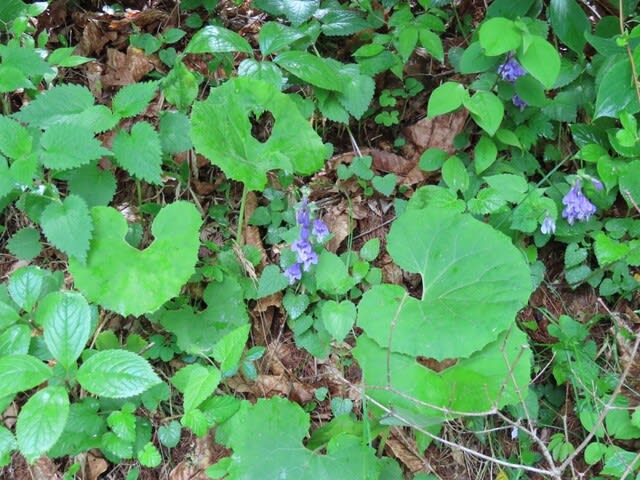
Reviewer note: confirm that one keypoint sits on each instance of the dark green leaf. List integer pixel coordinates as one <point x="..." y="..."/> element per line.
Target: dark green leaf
<point x="214" y="39"/>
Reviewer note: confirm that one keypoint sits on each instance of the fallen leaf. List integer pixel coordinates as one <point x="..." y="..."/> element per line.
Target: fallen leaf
<point x="405" y="450"/>
<point x="388" y="162"/>
<point x="123" y="69"/>
<point x="45" y="469"/>
<point x="95" y="465"/>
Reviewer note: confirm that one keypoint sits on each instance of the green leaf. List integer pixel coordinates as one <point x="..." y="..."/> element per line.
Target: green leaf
<point x="332" y="275"/>
<point x="610" y="101"/>
<point x="274" y="37"/>
<point x="296" y="11"/>
<point x="196" y="421"/>
<point x="228" y="350"/>
<point x="8" y="316"/>
<point x="21" y="372"/>
<point x="386" y="184"/>
<point x="15" y="340"/>
<point x="446" y="98"/>
<point x="41" y="421"/>
<point x="268" y="437"/>
<point x="474" y="280"/>
<point x="63" y="57"/>
<point x="358" y="91"/>
<point x="149" y="456"/>
<point x="475" y="61"/>
<point x="272" y="280"/>
<point x="295" y="305"/>
<point x="433" y="44"/>
<point x="341" y="23"/>
<point x="498" y="36"/>
<point x="338" y="318"/>
<point x="139" y="152"/>
<point x="197" y="383"/>
<point x="118" y="276"/>
<point x="486" y="110"/>
<point x="116" y="374"/>
<point x="65" y="146"/>
<point x="15" y="141"/>
<point x="65" y="103"/>
<point x="455" y="175"/>
<point x="265" y="71"/>
<point x="485" y="154"/>
<point x="174" y="132"/>
<point x="541" y="60"/>
<point x="221" y="131"/>
<point x="607" y="250"/>
<point x="25" y="244"/>
<point x="7" y="444"/>
<point x="570" y="23"/>
<point x="214" y="39"/>
<point x="11" y="9"/>
<point x="312" y="69"/>
<point x="25" y="286"/>
<point x="67" y="225"/>
<point x="180" y="86"/>
<point x="509" y="186"/>
<point x="123" y="424"/>
<point x="169" y="435"/>
<point x="12" y="78"/>
<point x="26" y="59"/>
<point x="594" y="452"/>
<point x="66" y="318"/>
<point x="94" y="185"/>
<point x="132" y="99"/>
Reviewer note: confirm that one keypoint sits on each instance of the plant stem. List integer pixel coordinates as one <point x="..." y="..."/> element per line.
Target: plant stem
<point x="634" y="75"/>
<point x="243" y="202"/>
<point x="139" y="192"/>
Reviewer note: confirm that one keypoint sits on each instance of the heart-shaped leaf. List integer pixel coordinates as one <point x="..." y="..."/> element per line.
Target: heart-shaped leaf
<point x="132" y="282"/>
<point x="338" y="318"/>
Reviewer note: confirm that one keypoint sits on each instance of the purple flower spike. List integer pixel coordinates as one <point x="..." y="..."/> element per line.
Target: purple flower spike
<point x="320" y="230"/>
<point x="518" y="102"/>
<point x="548" y="225"/>
<point x="303" y="215"/>
<point x="597" y="184"/>
<point x="577" y="206"/>
<point x="511" y="70"/>
<point x="293" y="273"/>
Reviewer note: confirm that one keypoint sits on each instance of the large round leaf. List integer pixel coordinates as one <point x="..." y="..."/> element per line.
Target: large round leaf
<point x="221" y="131"/>
<point x="474" y="283"/>
<point x="132" y="282"/>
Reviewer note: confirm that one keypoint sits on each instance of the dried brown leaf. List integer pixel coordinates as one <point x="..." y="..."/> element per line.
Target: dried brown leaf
<point x="405" y="453"/>
<point x="123" y="69"/>
<point x="388" y="162"/>
<point x="95" y="465"/>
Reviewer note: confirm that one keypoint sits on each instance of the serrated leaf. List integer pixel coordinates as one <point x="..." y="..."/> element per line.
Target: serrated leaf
<point x="123" y="424"/>
<point x="196" y="421"/>
<point x="296" y="11"/>
<point x="338" y="318"/>
<point x="214" y="39"/>
<point x="66" y="318"/>
<point x="272" y="280"/>
<point x="315" y="70"/>
<point x="8" y="316"/>
<point x="65" y="146"/>
<point x="357" y="91"/>
<point x="116" y="446"/>
<point x="7" y="445"/>
<point x="21" y="372"/>
<point x="174" y="132"/>
<point x="265" y="71"/>
<point x="139" y="152"/>
<point x="197" y="383"/>
<point x="25" y="286"/>
<point x="275" y="36"/>
<point x="341" y="23"/>
<point x="295" y="305"/>
<point x="15" y="141"/>
<point x="221" y="131"/>
<point x="116" y="374"/>
<point x="132" y="99"/>
<point x="149" y="456"/>
<point x="118" y="276"/>
<point x="41" y="421"/>
<point x="15" y="340"/>
<point x="180" y="86"/>
<point x="487" y="110"/>
<point x="26" y="59"/>
<point x="94" y="185"/>
<point x="25" y="244"/>
<point x="169" y="435"/>
<point x="228" y="351"/>
<point x="67" y="225"/>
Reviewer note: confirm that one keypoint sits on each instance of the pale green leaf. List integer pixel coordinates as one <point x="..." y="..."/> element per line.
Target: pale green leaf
<point x="94" y="185"/>
<point x="65" y="146"/>
<point x="149" y="456"/>
<point x="7" y="445"/>
<point x="25" y="244"/>
<point x="228" y="351"/>
<point x="317" y="71"/>
<point x="498" y="36"/>
<point x="338" y="318"/>
<point x="132" y="99"/>
<point x="21" y="372"/>
<point x="272" y="280"/>
<point x="15" y="141"/>
<point x="332" y="276"/>
<point x="197" y="383"/>
<point x="139" y="152"/>
<point x="296" y="11"/>
<point x="541" y="60"/>
<point x="274" y="37"/>
<point x="67" y="225"/>
<point x="487" y="110"/>
<point x="214" y="39"/>
<point x="446" y="98"/>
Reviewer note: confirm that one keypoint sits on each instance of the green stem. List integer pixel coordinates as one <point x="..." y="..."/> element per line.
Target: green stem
<point x="243" y="201"/>
<point x="634" y="74"/>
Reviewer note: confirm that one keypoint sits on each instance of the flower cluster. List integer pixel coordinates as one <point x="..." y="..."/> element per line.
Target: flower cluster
<point x="576" y="205"/>
<point x="510" y="71"/>
<point x="303" y="246"/>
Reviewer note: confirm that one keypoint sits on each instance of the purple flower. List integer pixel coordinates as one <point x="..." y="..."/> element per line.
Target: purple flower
<point x="511" y="70"/>
<point x="293" y="273"/>
<point x="303" y="216"/>
<point x="320" y="230"/>
<point x="577" y="206"/>
<point x="548" y="225"/>
<point x="518" y="102"/>
<point x="597" y="184"/>
<point x="304" y="253"/>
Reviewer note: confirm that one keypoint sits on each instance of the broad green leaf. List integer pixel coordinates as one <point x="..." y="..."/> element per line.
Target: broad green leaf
<point x="296" y="11"/>
<point x="15" y="141"/>
<point x="180" y="86"/>
<point x="569" y="22"/>
<point x="341" y="23"/>
<point x="66" y="103"/>
<point x="486" y="110"/>
<point x="66" y="318"/>
<point x="608" y="250"/>
<point x="12" y="78"/>
<point x="228" y="350"/>
<point x="272" y="280"/>
<point x="63" y="57"/>
<point x="214" y="39"/>
<point x="41" y="421"/>
<point x="385" y="184"/>
<point x="94" y="185"/>
<point x="119" y="277"/>
<point x="265" y="71"/>
<point x="174" y="132"/>
<point x="8" y="316"/>
<point x="197" y="383"/>
<point x="611" y="101"/>
<point x="15" y="340"/>
<point x="541" y="60"/>
<point x="7" y="445"/>
<point x="116" y="374"/>
<point x="594" y="452"/>
<point x="123" y="423"/>
<point x="294" y="304"/>
<point x="446" y="98"/>
<point x="10" y="9"/>
<point x="26" y="285"/>
<point x="274" y="37"/>
<point x="474" y="60"/>
<point x="139" y="152"/>
<point x="455" y="175"/>
<point x="432" y="43"/>
<point x="221" y="131"/>
<point x="26" y="59"/>
<point x="132" y="99"/>
<point x="25" y="244"/>
<point x="67" y="225"/>
<point x="484" y="154"/>
<point x="498" y="36"/>
<point x="149" y="456"/>
<point x="358" y="91"/>
<point x="406" y="41"/>
<point x="474" y="280"/>
<point x="65" y="146"/>
<point x="169" y="435"/>
<point x="114" y="445"/>
<point x="268" y="438"/>
<point x="197" y="333"/>
<point x="21" y="372"/>
<point x="332" y="275"/>
<point x="315" y="70"/>
<point x="338" y="318"/>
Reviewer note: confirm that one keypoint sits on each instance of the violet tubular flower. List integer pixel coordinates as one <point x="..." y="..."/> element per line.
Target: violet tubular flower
<point x="293" y="273"/>
<point x="511" y="70"/>
<point x="577" y="207"/>
<point x="548" y="225"/>
<point x="518" y="102"/>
